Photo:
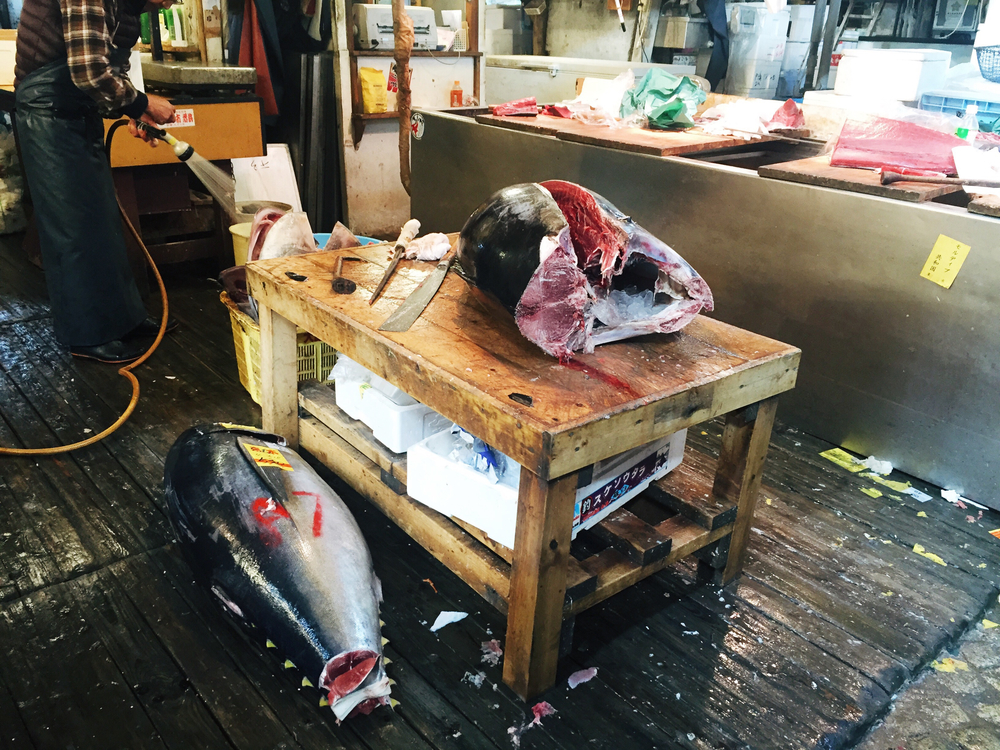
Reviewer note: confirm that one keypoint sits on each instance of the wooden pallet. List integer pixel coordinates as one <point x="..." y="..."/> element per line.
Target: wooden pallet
<point x="676" y="517"/>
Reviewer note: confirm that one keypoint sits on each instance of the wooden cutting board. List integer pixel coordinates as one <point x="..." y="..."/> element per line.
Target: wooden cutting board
<point x="816" y="170"/>
<point x="637" y="140"/>
<point x="988" y="205"/>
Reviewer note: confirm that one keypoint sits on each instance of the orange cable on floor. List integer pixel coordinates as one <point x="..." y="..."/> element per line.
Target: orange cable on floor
<point x="125" y="371"/>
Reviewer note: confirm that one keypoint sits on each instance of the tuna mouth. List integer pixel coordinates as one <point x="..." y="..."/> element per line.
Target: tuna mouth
<point x="355" y="683"/>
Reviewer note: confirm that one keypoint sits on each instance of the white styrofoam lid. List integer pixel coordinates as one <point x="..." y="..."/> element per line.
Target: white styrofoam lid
<point x="887" y="55"/>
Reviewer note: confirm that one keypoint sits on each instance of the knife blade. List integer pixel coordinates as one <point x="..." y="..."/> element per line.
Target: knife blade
<point x="412" y="307"/>
<point x="406" y="235"/>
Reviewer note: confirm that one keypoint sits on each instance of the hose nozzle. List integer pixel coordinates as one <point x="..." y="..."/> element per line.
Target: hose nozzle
<point x="182" y="150"/>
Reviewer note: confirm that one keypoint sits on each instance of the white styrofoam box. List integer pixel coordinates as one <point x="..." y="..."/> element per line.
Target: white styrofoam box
<point x="499" y="41"/>
<point x="899" y="74"/>
<point x="464" y="493"/>
<point x="396" y="427"/>
<point x="756" y="79"/>
<point x="754" y="19"/>
<point x="800" y="22"/>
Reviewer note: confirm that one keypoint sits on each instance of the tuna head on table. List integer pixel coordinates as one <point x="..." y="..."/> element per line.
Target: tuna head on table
<point x="284" y="555"/>
<point x="574" y="270"/>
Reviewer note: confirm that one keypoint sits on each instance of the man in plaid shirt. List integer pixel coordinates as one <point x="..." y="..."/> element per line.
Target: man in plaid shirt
<point x="71" y="70"/>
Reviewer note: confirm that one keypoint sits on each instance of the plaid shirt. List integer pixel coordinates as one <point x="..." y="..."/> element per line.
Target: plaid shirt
<point x="92" y="29"/>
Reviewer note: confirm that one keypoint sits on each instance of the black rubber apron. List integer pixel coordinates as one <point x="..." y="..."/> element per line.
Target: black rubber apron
<point x="92" y="292"/>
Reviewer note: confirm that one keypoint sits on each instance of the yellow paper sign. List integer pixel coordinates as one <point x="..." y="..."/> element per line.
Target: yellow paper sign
<point x="843" y="459"/>
<point x="989" y="624"/>
<point x="264" y="456"/>
<point x="945" y="261"/>
<point x="871" y="492"/>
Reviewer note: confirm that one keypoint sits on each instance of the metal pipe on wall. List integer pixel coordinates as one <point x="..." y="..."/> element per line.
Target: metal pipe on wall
<point x="829" y="44"/>
<point x="814" y="43"/>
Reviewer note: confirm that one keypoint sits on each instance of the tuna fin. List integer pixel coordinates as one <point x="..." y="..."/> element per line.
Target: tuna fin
<point x="381" y="623"/>
<point x="323" y="702"/>
<point x="391" y="682"/>
<point x="269" y="643"/>
<point x="384" y="641"/>
<point x="393" y="703"/>
<point x="386" y="661"/>
<point x="306" y="682"/>
<point x="288" y="664"/>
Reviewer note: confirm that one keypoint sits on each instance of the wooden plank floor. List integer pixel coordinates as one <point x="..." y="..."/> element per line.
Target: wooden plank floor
<point x="108" y="643"/>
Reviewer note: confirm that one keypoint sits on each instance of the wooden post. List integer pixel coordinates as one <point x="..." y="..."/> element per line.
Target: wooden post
<point x="279" y="376"/>
<point x="741" y="462"/>
<point x="538" y="582"/>
<point x="196" y="26"/>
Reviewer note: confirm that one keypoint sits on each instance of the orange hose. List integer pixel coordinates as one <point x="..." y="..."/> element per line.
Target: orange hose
<point x="125" y="371"/>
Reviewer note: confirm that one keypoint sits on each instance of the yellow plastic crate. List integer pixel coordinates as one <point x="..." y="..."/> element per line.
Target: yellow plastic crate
<point x="315" y="359"/>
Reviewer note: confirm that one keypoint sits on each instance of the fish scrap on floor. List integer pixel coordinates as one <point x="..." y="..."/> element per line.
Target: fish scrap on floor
<point x="574" y="270"/>
<point x="281" y="551"/>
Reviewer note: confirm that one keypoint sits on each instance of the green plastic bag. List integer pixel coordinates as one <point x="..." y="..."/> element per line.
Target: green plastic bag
<point x="667" y="101"/>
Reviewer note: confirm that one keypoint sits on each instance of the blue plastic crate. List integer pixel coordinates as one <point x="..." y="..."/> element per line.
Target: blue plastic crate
<point x="950" y="104"/>
<point x="322" y="238"/>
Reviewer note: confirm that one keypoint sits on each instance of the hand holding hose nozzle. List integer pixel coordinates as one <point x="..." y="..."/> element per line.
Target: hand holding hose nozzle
<point x="182" y="150"/>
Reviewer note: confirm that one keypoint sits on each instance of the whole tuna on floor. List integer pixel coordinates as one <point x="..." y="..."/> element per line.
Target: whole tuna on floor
<point x="574" y="270"/>
<point x="282" y="553"/>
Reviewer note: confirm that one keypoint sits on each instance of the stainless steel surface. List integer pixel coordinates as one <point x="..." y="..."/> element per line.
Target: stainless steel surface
<point x="196" y="74"/>
<point x="893" y="365"/>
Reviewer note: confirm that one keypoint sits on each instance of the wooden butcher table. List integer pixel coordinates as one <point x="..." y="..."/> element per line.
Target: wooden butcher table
<point x="466" y="359"/>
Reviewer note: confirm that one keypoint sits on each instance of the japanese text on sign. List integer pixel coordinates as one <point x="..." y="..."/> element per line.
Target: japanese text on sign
<point x="265" y="456"/>
<point x="945" y="261"/>
<point x="183" y="118"/>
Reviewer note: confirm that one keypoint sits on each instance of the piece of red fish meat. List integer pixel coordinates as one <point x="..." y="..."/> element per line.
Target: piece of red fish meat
<point x="787" y="116"/>
<point x="881" y="143"/>
<point x="527" y="106"/>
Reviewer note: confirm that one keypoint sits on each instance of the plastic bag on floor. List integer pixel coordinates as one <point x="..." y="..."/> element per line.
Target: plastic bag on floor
<point x="667" y="101"/>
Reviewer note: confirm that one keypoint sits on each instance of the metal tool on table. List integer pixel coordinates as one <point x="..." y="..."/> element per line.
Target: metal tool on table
<point x="419" y="298"/>
<point x="340" y="284"/>
<point x="406" y="235"/>
<point x="889" y="178"/>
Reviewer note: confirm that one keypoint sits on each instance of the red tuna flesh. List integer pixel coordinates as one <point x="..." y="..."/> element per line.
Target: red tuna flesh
<point x="881" y="143"/>
<point x="527" y="106"/>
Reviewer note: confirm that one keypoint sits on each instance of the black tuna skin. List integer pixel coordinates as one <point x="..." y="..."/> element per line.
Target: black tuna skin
<point x="498" y="248"/>
<point x="264" y="564"/>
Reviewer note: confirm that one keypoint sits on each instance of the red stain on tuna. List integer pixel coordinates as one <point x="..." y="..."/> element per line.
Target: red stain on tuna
<point x="267" y="512"/>
<point x="317" y="514"/>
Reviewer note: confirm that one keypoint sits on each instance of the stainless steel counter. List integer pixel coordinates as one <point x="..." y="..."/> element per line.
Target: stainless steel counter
<point x="196" y="75"/>
<point x="893" y="365"/>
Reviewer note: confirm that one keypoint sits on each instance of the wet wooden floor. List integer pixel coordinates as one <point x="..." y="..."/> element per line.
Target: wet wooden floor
<point x="107" y="643"/>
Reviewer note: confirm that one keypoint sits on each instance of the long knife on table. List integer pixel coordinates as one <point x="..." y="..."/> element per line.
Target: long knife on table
<point x="407" y="313"/>
<point x="406" y="235"/>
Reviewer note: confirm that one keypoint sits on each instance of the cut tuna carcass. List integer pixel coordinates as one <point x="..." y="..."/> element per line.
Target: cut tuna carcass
<point x="892" y="144"/>
<point x="574" y="270"/>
